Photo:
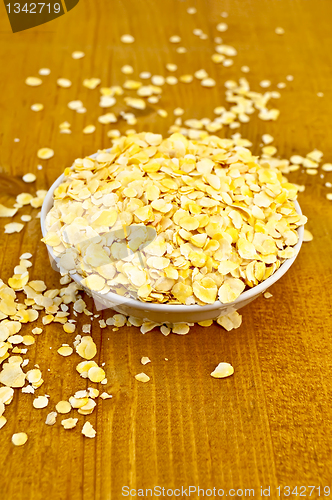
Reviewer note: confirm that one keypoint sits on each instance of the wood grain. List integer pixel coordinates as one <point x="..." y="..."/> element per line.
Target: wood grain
<point x="268" y="425"/>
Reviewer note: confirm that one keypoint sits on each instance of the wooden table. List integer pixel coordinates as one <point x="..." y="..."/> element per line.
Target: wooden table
<point x="268" y="425"/>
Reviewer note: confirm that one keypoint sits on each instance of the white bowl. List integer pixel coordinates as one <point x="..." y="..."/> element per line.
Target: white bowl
<point x="163" y="312"/>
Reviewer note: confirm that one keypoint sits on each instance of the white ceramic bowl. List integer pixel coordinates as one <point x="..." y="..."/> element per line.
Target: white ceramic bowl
<point x="164" y="312"/>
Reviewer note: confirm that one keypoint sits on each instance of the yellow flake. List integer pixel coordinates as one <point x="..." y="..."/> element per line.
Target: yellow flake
<point x="34" y="376"/>
<point x="162" y="112"/>
<point x="175" y="39"/>
<point x="222" y="370"/>
<point x="40" y="402"/>
<point x="127" y="69"/>
<point x="7" y="212"/>
<point x="3" y="421"/>
<point x="88" y="430"/>
<point x="64" y="83"/>
<point x="51" y="418"/>
<point x="45" y="154"/>
<point x="171" y="67"/>
<point x="87" y="349"/>
<point x="69" y="327"/>
<point x="205" y="290"/>
<point x="91" y="83"/>
<point x="230" y="290"/>
<point x="12" y="375"/>
<point x="107" y="118"/>
<point x="69" y="423"/>
<point x="89" y="129"/>
<point x="268" y="295"/>
<point x="208" y="82"/>
<point x="37" y="106"/>
<point x="279" y="31"/>
<point x="105" y="395"/>
<point x="28" y="340"/>
<point x="307" y="235"/>
<point x="77" y="54"/>
<point x="186" y="78"/>
<point x="134" y="102"/>
<point x="180" y="328"/>
<point x="65" y="350"/>
<point x="6" y="395"/>
<point x="127" y="39"/>
<point x="33" y="81"/>
<point x="13" y="227"/>
<point x="145" y="360"/>
<point x="63" y="407"/>
<point x="142" y="377"/>
<point x="19" y="439"/>
<point x="327" y="167"/>
<point x="221" y="27"/>
<point x="96" y="374"/>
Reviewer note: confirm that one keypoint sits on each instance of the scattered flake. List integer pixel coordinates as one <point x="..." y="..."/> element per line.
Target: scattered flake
<point x="145" y="360"/>
<point x="88" y="430"/>
<point x="37" y="106"/>
<point x="77" y="54"/>
<point x="279" y="31"/>
<point x="171" y="80"/>
<point x="40" y="402"/>
<point x="328" y="184"/>
<point x="51" y="418"/>
<point x="245" y="69"/>
<point x="44" y="71"/>
<point x="289" y="78"/>
<point x="91" y="83"/>
<point x="267" y="138"/>
<point x="65" y="350"/>
<point x="135" y="102"/>
<point x="105" y="395"/>
<point x="208" y="82"/>
<point x="33" y="81"/>
<point x="29" y="177"/>
<point x="26" y="218"/>
<point x="45" y="153"/>
<point x="320" y="94"/>
<point x="7" y="212"/>
<point x="221" y="27"/>
<point x="186" y="78"/>
<point x="175" y="39"/>
<point x="142" y="377"/>
<point x="230" y="321"/>
<point x="329" y="196"/>
<point x="37" y="330"/>
<point x="64" y="83"/>
<point x="218" y="58"/>
<point x="145" y="75"/>
<point x="127" y="69"/>
<point x="63" y="407"/>
<point x="223" y="370"/>
<point x="69" y="423"/>
<point x="13" y="227"/>
<point x="180" y="328"/>
<point x="181" y="50"/>
<point x="162" y="112"/>
<point x="19" y="438"/>
<point x="171" y="67"/>
<point x="96" y="374"/>
<point x="327" y="167"/>
<point x="265" y="83"/>
<point x="127" y="39"/>
<point x="191" y="10"/>
<point x="75" y="105"/>
<point x="89" y="129"/>
<point x="87" y="349"/>
<point x="3" y="421"/>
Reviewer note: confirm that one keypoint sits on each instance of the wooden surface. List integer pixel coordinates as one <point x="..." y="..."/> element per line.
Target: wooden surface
<point x="270" y="424"/>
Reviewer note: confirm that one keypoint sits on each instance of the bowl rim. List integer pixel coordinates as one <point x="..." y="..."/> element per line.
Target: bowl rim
<point x="116" y="299"/>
